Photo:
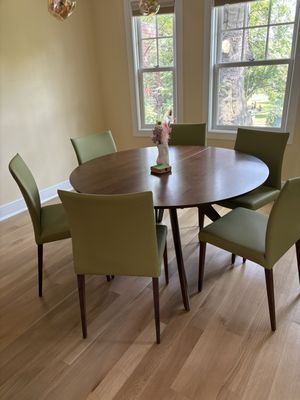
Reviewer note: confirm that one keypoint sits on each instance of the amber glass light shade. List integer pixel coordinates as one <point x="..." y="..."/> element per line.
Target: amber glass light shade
<point x="149" y="7"/>
<point x="61" y="9"/>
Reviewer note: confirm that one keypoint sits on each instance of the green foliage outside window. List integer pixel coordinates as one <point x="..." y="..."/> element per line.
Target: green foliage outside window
<point x="260" y="89"/>
<point x="157" y="52"/>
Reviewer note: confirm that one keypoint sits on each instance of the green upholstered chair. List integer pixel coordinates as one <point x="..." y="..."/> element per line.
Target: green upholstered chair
<point x="269" y="147"/>
<point x="93" y="146"/>
<point x="187" y="135"/>
<point x="49" y="222"/>
<point x="257" y="237"/>
<point x="115" y="235"/>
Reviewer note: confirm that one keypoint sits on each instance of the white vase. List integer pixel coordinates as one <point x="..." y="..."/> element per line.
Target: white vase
<point x="163" y="154"/>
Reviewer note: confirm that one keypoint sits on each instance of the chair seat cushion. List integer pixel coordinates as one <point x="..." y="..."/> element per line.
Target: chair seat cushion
<point x="241" y="231"/>
<point x="253" y="200"/>
<point x="161" y="234"/>
<point x="54" y="224"/>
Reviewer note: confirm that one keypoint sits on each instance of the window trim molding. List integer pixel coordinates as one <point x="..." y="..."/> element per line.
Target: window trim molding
<point x="132" y="67"/>
<point x="292" y="101"/>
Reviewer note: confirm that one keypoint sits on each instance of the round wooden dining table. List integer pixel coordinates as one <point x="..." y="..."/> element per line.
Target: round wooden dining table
<point x="200" y="176"/>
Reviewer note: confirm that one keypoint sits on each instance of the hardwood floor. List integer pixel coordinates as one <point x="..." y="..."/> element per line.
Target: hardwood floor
<point x="222" y="349"/>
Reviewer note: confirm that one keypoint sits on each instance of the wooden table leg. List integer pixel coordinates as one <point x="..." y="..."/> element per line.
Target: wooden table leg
<point x="210" y="212"/>
<point x="179" y="258"/>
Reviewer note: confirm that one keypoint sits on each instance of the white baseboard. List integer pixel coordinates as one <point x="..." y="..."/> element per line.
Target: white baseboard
<point x="17" y="206"/>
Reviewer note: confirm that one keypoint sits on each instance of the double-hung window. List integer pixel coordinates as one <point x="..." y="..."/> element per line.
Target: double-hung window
<point x="154" y="63"/>
<point x="252" y="63"/>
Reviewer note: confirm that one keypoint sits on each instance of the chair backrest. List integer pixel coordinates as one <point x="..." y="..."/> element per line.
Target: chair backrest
<point x="188" y="134"/>
<point x="23" y="176"/>
<point x="284" y="222"/>
<point x="267" y="146"/>
<point x="93" y="146"/>
<point x="112" y="234"/>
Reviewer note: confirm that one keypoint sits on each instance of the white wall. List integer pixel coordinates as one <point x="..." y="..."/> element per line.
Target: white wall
<point x="50" y="89"/>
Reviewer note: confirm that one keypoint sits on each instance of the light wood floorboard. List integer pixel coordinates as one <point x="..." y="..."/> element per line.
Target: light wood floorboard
<point x="222" y="349"/>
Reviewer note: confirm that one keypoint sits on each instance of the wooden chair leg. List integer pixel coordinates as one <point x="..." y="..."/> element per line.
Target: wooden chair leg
<point x="297" y="244"/>
<point x="271" y="299"/>
<point x="156" y="308"/>
<point x="159" y="215"/>
<point x="233" y="256"/>
<point x="81" y="292"/>
<point x="166" y="265"/>
<point x="40" y="269"/>
<point x="200" y="218"/>
<point x="202" y="252"/>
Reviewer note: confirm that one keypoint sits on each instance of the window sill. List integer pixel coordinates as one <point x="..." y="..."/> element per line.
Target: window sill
<point x="142" y="133"/>
<point x="221" y="135"/>
<point x="212" y="134"/>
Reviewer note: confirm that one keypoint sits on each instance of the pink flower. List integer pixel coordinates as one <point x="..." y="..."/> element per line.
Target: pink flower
<point x="161" y="132"/>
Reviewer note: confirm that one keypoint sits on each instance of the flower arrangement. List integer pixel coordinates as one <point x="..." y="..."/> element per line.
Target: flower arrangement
<point x="160" y="137"/>
<point x="162" y="130"/>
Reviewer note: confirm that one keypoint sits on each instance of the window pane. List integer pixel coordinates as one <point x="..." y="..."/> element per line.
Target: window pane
<point x="165" y="47"/>
<point x="233" y="16"/>
<point x="258" y="13"/>
<point x="149" y="53"/>
<point x="283" y="11"/>
<point x="148" y="27"/>
<point x="251" y="96"/>
<point x="165" y="25"/>
<point x="231" y="49"/>
<point x="280" y="41"/>
<point x="255" y="44"/>
<point x="158" y="95"/>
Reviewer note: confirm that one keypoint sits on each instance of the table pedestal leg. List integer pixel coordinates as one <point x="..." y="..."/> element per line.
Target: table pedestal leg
<point x="210" y="212"/>
<point x="179" y="258"/>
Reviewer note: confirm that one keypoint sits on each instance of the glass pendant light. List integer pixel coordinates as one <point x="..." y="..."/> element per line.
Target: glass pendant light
<point x="61" y="9"/>
<point x="149" y="7"/>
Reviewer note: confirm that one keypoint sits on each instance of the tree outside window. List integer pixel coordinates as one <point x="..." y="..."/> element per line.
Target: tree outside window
<point x="253" y="62"/>
<point x="155" y="67"/>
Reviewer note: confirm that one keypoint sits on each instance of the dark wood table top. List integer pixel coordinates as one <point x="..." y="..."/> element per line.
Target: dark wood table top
<point x="200" y="175"/>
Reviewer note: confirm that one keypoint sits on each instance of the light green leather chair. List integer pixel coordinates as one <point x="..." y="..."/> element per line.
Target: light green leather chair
<point x="115" y="235"/>
<point x="269" y="147"/>
<point x="49" y="222"/>
<point x="187" y="135"/>
<point x="93" y="146"/>
<point x="258" y="238"/>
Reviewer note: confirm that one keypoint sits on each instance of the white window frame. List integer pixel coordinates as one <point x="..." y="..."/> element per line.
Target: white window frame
<point x="135" y="76"/>
<point x="210" y="89"/>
